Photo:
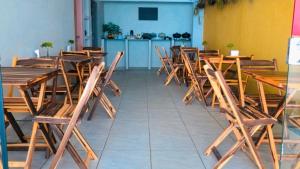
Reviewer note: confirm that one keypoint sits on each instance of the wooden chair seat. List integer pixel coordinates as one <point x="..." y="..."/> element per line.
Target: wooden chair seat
<point x="56" y="114"/>
<point x="17" y="104"/>
<point x="253" y="117"/>
<point x="59" y="89"/>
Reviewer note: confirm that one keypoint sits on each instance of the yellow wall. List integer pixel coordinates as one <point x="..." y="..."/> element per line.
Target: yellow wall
<point x="259" y="27"/>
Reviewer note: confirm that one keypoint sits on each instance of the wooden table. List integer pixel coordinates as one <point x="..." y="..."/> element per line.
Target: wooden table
<point x="277" y="80"/>
<point x="24" y="79"/>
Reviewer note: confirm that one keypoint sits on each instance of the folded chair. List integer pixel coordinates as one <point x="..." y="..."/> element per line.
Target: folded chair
<point x="167" y="65"/>
<point x="69" y="116"/>
<point x="106" y="81"/>
<point x="95" y="53"/>
<point x="216" y="61"/>
<point x="192" y="53"/>
<point x="243" y="122"/>
<point x="164" y="62"/>
<point x="197" y="82"/>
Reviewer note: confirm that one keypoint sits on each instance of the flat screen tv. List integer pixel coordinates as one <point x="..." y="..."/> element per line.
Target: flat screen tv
<point x="149" y="14"/>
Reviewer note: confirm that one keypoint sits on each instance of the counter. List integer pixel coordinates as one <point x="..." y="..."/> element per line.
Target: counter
<point x="139" y="53"/>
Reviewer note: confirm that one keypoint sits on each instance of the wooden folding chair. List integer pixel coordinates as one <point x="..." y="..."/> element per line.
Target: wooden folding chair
<point x="87" y="69"/>
<point x="164" y="63"/>
<point x="216" y="61"/>
<point x="257" y="65"/>
<point x="69" y="115"/>
<point x="106" y="81"/>
<point x="108" y="74"/>
<point x="167" y="64"/>
<point x="192" y="53"/>
<point x="196" y="86"/>
<point x="244" y="122"/>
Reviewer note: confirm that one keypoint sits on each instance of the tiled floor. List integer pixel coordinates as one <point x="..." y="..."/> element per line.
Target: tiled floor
<point x="153" y="130"/>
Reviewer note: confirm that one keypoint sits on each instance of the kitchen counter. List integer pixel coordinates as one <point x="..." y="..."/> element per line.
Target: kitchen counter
<point x="139" y="53"/>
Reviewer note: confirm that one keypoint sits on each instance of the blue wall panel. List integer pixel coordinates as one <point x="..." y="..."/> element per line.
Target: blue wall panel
<point x="138" y="53"/>
<point x="172" y="17"/>
<point x="112" y="47"/>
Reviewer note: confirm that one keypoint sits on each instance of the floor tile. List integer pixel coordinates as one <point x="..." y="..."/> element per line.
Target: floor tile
<point x="125" y="160"/>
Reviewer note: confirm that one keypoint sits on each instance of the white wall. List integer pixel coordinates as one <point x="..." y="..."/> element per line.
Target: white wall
<point x="26" y="24"/>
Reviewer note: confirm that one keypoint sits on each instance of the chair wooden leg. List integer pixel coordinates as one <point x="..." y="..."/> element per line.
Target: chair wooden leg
<point x="219" y="139"/>
<point x="109" y="104"/>
<point x="108" y="110"/>
<point x="15" y="126"/>
<point x="31" y="146"/>
<point x="171" y="76"/>
<point x="159" y="71"/>
<point x="115" y="88"/>
<point x="273" y="147"/>
<point x="213" y="100"/>
<point x="252" y="148"/>
<point x="227" y="156"/>
<point x="65" y="144"/>
<point x="188" y="96"/>
<point x="85" y="144"/>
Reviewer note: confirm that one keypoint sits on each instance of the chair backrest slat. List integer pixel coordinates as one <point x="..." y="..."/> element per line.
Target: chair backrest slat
<point x="113" y="67"/>
<point x="210" y="52"/>
<point x="87" y="92"/>
<point x="72" y="53"/>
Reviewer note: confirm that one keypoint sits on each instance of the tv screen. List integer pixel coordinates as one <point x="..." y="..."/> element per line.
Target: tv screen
<point x="150" y="14"/>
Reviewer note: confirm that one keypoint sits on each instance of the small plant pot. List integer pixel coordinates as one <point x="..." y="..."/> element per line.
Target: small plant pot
<point x="234" y="52"/>
<point x="110" y="36"/>
<point x="69" y="48"/>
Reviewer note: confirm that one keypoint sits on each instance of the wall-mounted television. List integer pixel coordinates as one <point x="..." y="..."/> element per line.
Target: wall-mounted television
<point x="148" y="14"/>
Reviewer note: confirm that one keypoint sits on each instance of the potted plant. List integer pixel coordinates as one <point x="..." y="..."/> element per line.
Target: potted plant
<point x="232" y="50"/>
<point x="204" y="44"/>
<point x="47" y="45"/>
<point x="111" y="29"/>
<point x="70" y="45"/>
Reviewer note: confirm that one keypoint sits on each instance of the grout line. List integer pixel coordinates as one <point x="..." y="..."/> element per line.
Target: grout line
<point x="147" y="94"/>
<point x="189" y="134"/>
<point x="113" y="122"/>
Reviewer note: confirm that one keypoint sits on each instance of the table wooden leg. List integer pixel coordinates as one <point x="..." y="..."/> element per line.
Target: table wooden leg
<point x="33" y="111"/>
<point x="15" y="126"/>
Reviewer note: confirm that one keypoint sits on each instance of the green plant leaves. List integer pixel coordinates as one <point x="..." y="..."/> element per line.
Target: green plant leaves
<point x="47" y="44"/>
<point x="111" y="28"/>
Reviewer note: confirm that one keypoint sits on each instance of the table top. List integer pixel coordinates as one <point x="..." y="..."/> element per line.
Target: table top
<point x="24" y="76"/>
